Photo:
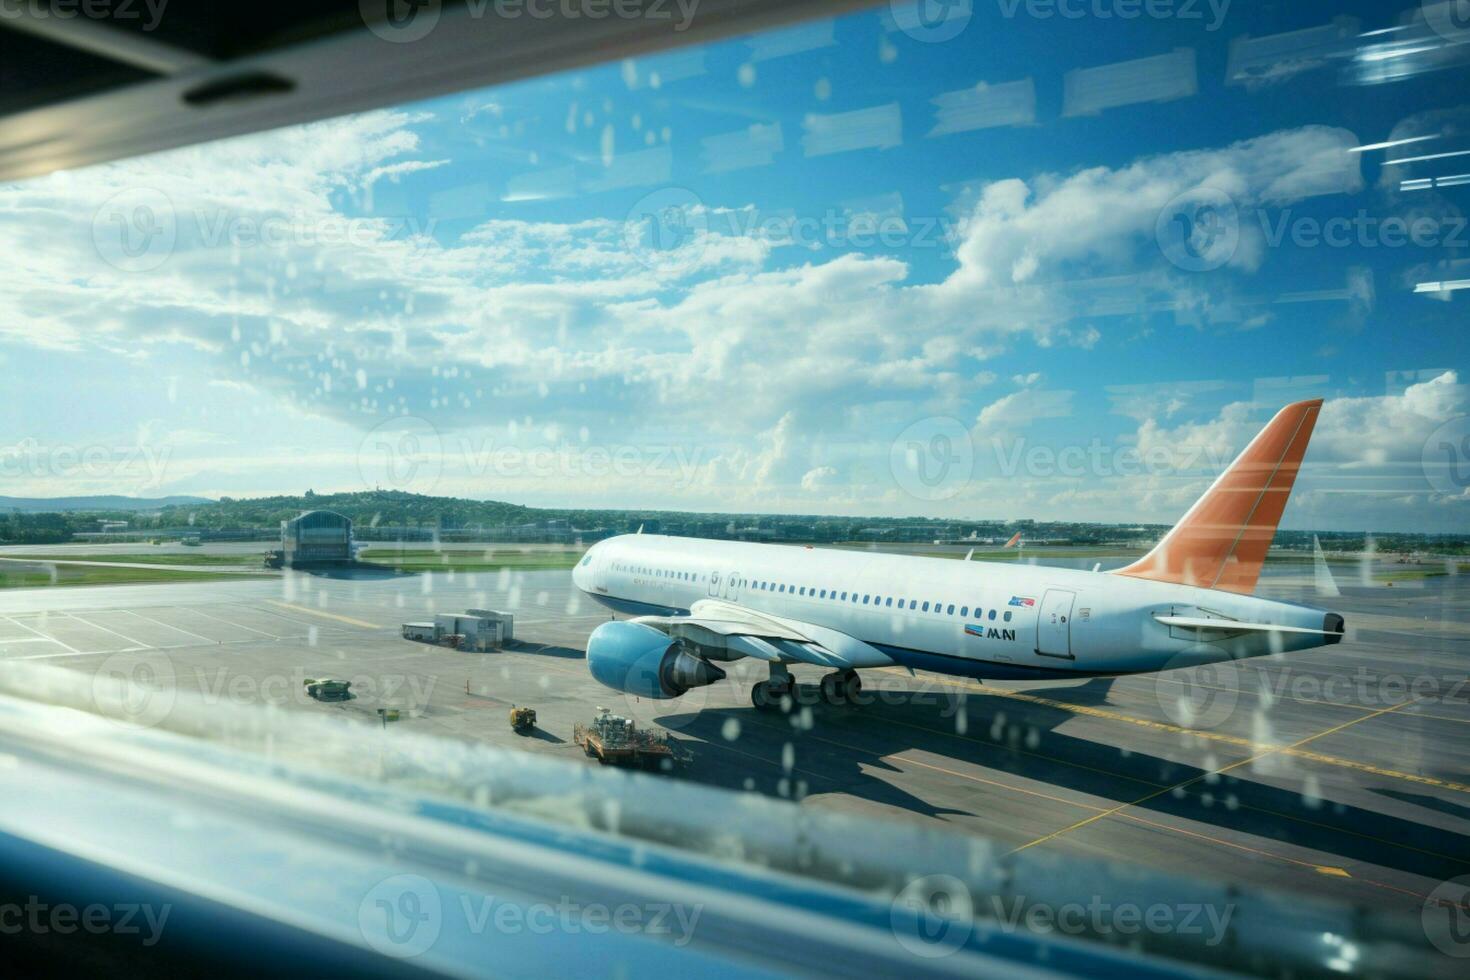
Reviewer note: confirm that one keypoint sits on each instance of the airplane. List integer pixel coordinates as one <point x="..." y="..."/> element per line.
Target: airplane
<point x="697" y="604"/>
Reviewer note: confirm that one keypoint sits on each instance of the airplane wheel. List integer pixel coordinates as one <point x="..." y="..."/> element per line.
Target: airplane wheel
<point x="760" y="696"/>
<point x="841" y="687"/>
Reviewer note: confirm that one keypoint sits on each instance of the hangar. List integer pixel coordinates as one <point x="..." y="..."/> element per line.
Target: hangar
<point x="316" y="537"/>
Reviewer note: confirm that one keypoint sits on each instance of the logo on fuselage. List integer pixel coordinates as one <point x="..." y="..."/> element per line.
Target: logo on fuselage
<point x="988" y="632"/>
<point x="1024" y="601"/>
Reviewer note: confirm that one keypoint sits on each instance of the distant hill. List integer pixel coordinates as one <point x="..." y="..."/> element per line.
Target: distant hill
<point x="106" y="502"/>
<point x="366" y="509"/>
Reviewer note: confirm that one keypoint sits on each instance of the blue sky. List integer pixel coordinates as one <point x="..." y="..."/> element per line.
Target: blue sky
<point x="1047" y="267"/>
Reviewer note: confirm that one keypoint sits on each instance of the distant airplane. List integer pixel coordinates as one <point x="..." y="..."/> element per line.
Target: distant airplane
<point x="1015" y="541"/>
<point x="699" y="604"/>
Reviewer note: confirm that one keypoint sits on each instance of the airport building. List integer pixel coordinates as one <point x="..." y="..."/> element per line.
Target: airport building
<point x="317" y="537"/>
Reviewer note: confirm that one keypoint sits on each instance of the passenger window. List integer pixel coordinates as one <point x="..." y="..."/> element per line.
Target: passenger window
<point x="926" y="607"/>
<point x="889" y="602"/>
<point x="964" y="611"/>
<point x="866" y="598"/>
<point x="950" y="610"/>
<point x="992" y="614"/>
<point x="1007" y="617"/>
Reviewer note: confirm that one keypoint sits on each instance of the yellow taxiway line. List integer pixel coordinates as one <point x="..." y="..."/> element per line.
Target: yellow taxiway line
<point x="1272" y="750"/>
<point x="326" y="615"/>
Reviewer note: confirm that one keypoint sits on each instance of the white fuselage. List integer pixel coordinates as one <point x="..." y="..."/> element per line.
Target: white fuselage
<point x="980" y="619"/>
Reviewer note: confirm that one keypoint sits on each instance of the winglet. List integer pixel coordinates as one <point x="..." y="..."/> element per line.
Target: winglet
<point x="1221" y="542"/>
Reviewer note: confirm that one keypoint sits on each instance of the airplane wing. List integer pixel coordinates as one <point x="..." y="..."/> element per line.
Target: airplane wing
<point x="742" y="631"/>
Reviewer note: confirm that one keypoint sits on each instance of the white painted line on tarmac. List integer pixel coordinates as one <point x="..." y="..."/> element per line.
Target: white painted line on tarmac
<point x="231" y="622"/>
<point x="137" y="643"/>
<point x="176" y="629"/>
<point x="43" y="636"/>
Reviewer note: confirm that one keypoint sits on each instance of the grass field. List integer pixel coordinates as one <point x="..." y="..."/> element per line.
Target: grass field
<point x="1418" y="574"/>
<point x="471" y="559"/>
<point x="65" y="575"/>
<point x="153" y="558"/>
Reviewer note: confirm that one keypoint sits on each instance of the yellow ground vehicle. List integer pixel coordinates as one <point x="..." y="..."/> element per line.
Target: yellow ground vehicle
<point x="522" y="720"/>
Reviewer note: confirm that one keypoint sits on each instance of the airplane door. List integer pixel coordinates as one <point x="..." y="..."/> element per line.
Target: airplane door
<point x="732" y="586"/>
<point x="714" y="584"/>
<point x="1054" y="624"/>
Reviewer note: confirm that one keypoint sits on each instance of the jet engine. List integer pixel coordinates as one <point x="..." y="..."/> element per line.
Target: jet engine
<point x="638" y="659"/>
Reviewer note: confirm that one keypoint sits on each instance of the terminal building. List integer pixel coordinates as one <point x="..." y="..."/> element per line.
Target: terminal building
<point x="317" y="537"/>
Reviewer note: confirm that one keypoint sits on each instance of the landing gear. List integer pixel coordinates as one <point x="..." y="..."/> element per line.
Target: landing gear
<point x="780" y="693"/>
<point x="841" y="687"/>
<point x="776" y="694"/>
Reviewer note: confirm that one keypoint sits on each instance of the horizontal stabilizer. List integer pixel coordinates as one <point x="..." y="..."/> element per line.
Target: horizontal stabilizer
<point x="1208" y="625"/>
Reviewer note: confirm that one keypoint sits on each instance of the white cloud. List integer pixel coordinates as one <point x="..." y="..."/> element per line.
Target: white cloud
<point x="819" y="479"/>
<point x="1019" y="409"/>
<point x="780" y="371"/>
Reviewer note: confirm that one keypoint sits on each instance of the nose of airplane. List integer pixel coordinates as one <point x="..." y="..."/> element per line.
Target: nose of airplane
<point x="1334" y="626"/>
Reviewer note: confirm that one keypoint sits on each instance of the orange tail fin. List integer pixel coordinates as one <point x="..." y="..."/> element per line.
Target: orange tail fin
<point x="1222" y="541"/>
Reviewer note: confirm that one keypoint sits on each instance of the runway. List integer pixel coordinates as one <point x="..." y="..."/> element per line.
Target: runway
<point x="1343" y="772"/>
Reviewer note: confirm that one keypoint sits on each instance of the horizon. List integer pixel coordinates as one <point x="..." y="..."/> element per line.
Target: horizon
<point x="837" y="268"/>
<point x="552" y="508"/>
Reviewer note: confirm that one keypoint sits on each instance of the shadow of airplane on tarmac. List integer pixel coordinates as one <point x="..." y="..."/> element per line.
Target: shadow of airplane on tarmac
<point x="850" y="749"/>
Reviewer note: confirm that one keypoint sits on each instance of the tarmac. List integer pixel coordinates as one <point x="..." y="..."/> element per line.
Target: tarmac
<point x="1341" y="772"/>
